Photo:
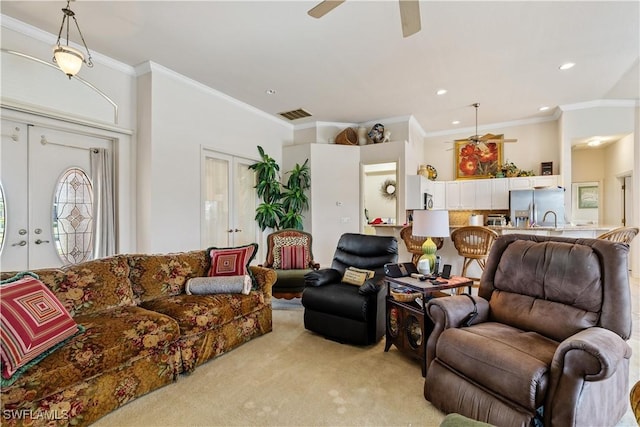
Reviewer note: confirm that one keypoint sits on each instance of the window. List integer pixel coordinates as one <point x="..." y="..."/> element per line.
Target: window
<point x="73" y="216"/>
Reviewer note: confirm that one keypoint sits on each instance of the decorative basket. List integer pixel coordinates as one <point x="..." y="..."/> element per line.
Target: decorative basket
<point x="347" y="137"/>
<point x="402" y="297"/>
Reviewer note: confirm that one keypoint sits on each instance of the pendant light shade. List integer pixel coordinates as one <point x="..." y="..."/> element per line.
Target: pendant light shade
<point x="70" y="60"/>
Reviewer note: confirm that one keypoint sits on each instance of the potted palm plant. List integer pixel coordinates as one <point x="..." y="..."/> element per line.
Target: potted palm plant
<point x="282" y="204"/>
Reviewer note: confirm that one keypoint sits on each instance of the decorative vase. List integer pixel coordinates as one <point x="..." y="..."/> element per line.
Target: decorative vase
<point x="362" y="135"/>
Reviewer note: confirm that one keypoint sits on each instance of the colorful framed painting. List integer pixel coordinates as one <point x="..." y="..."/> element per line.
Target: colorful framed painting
<point x="477" y="160"/>
<point x="588" y="197"/>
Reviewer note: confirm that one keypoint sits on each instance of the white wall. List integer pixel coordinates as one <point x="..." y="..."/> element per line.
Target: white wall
<point x="38" y="88"/>
<point x="186" y="116"/>
<point x="537" y="143"/>
<point x="617" y="162"/>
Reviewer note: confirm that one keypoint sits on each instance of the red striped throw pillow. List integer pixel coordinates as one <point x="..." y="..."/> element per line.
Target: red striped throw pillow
<point x="33" y="321"/>
<point x="293" y="257"/>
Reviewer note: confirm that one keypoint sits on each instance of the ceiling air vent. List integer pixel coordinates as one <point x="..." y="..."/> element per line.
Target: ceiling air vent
<point x="295" y="114"/>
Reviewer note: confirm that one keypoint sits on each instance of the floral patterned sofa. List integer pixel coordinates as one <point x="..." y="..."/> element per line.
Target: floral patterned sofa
<point x="141" y="332"/>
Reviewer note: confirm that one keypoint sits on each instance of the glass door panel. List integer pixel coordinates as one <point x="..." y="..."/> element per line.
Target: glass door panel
<point x="215" y="227"/>
<point x="245" y="204"/>
<point x="229" y="201"/>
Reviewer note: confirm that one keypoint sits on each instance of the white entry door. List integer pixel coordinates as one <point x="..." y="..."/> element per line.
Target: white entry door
<point x="39" y="211"/>
<point x="228" y="201"/>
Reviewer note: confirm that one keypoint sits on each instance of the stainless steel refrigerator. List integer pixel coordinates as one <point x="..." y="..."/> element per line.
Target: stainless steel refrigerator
<point x="528" y="207"/>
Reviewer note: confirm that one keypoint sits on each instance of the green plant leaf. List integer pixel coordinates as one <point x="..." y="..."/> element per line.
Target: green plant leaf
<point x="268" y="215"/>
<point x="291" y="219"/>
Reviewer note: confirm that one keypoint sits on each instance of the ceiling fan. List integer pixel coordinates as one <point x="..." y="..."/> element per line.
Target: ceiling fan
<point x="409" y="13"/>
<point x="487" y="138"/>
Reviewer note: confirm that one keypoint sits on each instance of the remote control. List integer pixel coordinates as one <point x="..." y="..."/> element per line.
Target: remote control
<point x="419" y="276"/>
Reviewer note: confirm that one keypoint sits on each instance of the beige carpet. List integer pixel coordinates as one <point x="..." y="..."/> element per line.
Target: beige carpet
<point x="292" y="377"/>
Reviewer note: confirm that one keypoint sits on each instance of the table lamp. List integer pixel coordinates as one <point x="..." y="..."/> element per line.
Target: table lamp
<point x="429" y="223"/>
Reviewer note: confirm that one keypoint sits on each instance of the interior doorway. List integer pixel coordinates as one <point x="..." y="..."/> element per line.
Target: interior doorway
<point x="627" y="200"/>
<point x="380" y="193"/>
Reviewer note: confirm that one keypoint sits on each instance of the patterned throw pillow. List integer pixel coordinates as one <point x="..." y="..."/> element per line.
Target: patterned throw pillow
<point x="231" y="261"/>
<point x="282" y="241"/>
<point x="293" y="257"/>
<point x="33" y="322"/>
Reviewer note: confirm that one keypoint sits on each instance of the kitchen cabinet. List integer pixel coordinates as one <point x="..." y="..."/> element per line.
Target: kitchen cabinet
<point x="460" y="195"/>
<point x="545" y="181"/>
<point x="417" y="186"/>
<point x="437" y="190"/>
<point x="527" y="182"/>
<point x="499" y="193"/>
<point x="482" y="194"/>
<point x="520" y="183"/>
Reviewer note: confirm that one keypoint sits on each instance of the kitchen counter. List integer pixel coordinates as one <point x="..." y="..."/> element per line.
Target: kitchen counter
<point x="585" y="231"/>
<point x="590" y="227"/>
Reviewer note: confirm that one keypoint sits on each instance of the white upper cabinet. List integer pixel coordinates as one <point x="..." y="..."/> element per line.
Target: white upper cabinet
<point x="527" y="182"/>
<point x="417" y="186"/>
<point x="520" y="183"/>
<point x="480" y="194"/>
<point x="414" y="198"/>
<point x="545" y="181"/>
<point x="483" y="197"/>
<point x="460" y="195"/>
<point x="499" y="193"/>
<point x="438" y="191"/>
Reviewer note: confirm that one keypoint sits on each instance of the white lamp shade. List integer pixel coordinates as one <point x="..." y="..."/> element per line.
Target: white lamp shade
<point x="68" y="59"/>
<point x="430" y="223"/>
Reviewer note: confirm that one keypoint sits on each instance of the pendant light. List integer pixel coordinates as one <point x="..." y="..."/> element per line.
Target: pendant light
<point x="70" y="60"/>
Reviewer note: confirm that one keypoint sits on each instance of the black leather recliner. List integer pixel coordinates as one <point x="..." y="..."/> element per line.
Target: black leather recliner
<point x="344" y="312"/>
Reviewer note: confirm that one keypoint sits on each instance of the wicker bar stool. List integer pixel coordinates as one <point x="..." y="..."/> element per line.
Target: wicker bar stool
<point x="414" y="243"/>
<point x="620" y="234"/>
<point x="474" y="244"/>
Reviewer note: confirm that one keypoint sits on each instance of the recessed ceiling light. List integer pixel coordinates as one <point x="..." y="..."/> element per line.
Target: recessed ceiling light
<point x="270" y="91"/>
<point x="455" y="122"/>
<point x="594" y="143"/>
<point x="543" y="108"/>
<point x="441" y="92"/>
<point x="567" y="65"/>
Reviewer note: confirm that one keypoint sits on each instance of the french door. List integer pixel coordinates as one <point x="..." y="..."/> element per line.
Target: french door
<point x="229" y="201"/>
<point x="39" y="211"/>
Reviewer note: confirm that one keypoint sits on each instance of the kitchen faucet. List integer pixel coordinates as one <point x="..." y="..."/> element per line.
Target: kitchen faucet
<point x="555" y="218"/>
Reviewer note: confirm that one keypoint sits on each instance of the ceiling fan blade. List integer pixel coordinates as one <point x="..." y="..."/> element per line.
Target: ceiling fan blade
<point x="324" y="7"/>
<point x="410" y="17"/>
<point x="500" y="140"/>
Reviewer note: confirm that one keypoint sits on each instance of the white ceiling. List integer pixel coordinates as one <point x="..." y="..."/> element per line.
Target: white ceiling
<point x="354" y="66"/>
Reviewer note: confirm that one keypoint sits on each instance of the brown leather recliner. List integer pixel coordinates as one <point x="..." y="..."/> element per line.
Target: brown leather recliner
<point x="548" y="342"/>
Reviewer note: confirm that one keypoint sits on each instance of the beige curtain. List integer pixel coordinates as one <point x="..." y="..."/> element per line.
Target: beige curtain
<point x="104" y="225"/>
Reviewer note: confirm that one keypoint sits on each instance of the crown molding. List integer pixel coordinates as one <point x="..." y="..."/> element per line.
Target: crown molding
<point x="48" y="38"/>
<point x="551" y="118"/>
<point x="152" y="67"/>
<point x="600" y="103"/>
<point x="310" y="125"/>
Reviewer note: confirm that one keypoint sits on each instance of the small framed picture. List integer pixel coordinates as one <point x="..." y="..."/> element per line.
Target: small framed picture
<point x="588" y="197"/>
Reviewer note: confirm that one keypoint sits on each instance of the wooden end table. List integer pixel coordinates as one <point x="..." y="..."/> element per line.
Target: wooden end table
<point x="408" y="326"/>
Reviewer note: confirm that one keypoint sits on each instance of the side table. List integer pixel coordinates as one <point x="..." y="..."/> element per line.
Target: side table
<point x="408" y="326"/>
